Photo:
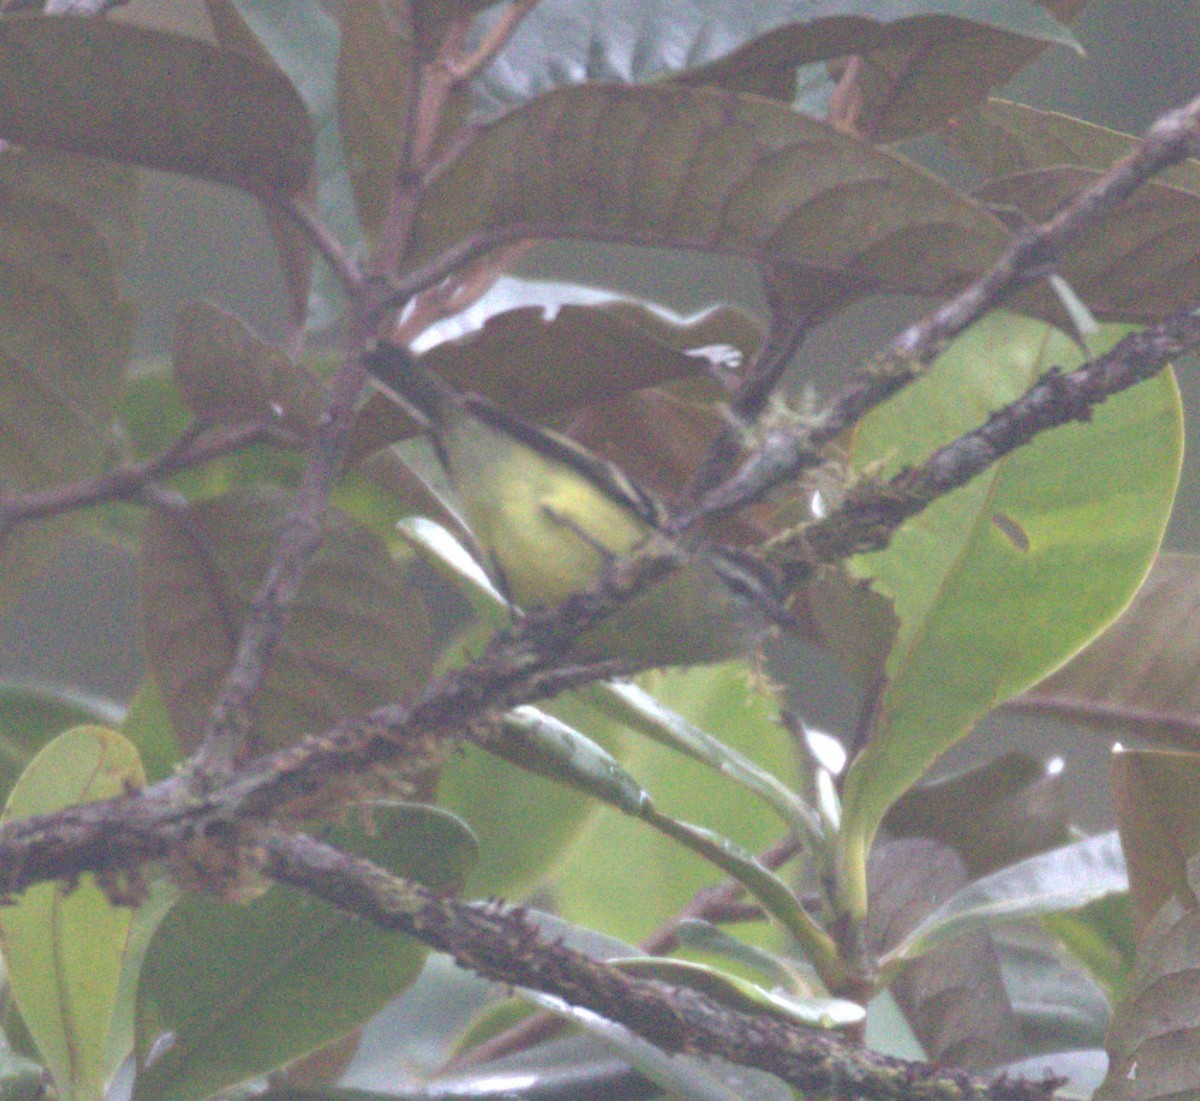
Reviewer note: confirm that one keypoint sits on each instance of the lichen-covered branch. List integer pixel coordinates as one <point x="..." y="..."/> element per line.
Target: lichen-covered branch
<point x="871" y="513"/>
<point x="1034" y="253"/>
<point x="503" y="945"/>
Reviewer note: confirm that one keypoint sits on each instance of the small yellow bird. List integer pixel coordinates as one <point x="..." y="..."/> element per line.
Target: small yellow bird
<point x="550" y="514"/>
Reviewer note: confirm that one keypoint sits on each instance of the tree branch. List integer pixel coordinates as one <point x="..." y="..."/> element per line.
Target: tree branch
<point x="871" y="513"/>
<point x="229" y="719"/>
<point x="194" y="448"/>
<point x="503" y="945"/>
<point x="1033" y="254"/>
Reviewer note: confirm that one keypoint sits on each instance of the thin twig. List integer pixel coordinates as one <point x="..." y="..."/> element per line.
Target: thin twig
<point x="1032" y="255"/>
<point x="340" y="262"/>
<point x="468" y="67"/>
<point x="430" y="88"/>
<point x="522" y="665"/>
<point x="229" y="720"/>
<point x="785" y="334"/>
<point x="194" y="448"/>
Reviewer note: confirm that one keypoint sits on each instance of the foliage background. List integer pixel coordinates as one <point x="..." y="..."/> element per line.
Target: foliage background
<point x="77" y="623"/>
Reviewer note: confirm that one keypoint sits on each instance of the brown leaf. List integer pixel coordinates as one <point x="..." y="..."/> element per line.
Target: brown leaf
<point x="1155" y="1032"/>
<point x="544" y="368"/>
<point x="154" y="99"/>
<point x="1140" y="263"/>
<point x="993" y="815"/>
<point x="375" y="82"/>
<point x="226" y="374"/>
<point x="694" y="168"/>
<point x="100" y="193"/>
<point x="953" y="997"/>
<point x="1002" y="138"/>
<point x="1156" y="794"/>
<point x="292" y="244"/>
<point x="374" y="79"/>
<point x="64" y="340"/>
<point x="854" y="621"/>
<point x="912" y="86"/>
<point x="358" y="636"/>
<point x="915" y="73"/>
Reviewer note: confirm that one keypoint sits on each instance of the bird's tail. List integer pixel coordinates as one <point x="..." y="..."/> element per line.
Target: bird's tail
<point x="418" y="389"/>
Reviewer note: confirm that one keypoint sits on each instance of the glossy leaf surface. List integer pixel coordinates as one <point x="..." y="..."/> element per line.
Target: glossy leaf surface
<point x="754" y="48"/>
<point x="1139" y="677"/>
<point x="65" y="949"/>
<point x="1152" y="1042"/>
<point x="998" y="583"/>
<point x="64" y="333"/>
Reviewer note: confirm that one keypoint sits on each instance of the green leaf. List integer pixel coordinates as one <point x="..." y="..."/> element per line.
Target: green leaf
<point x="33" y="713"/>
<point x="746" y="997"/>
<point x="1054" y="1000"/>
<point x="641" y="712"/>
<point x="698" y="935"/>
<point x="154" y="99"/>
<point x="600" y="886"/>
<point x="481" y="787"/>
<point x="153" y="415"/>
<point x="245" y="989"/>
<point x="686" y="1076"/>
<point x="517" y="848"/>
<point x="147" y="725"/>
<point x="680" y="1076"/>
<point x="1100" y="937"/>
<point x="540" y="743"/>
<point x="1156" y="795"/>
<point x="1139" y="676"/>
<point x="65" y="946"/>
<point x="21" y="1079"/>
<point x="544" y="745"/>
<point x="1062" y="879"/>
<point x="358" y="635"/>
<point x="694" y="168"/>
<point x="762" y="884"/>
<point x="1004" y="579"/>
